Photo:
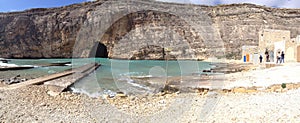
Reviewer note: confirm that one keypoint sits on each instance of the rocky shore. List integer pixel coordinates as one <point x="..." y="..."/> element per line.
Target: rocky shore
<point x="251" y="95"/>
<point x="13" y="80"/>
<point x="33" y="104"/>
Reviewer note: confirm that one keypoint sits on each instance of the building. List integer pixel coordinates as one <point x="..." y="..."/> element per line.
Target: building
<point x="250" y="54"/>
<point x="275" y="41"/>
<point x="297" y="48"/>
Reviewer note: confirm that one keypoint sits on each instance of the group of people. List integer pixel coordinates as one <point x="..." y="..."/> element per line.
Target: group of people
<point x="279" y="57"/>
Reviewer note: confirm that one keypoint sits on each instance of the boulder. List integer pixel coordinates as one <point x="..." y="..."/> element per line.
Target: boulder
<point x="13" y="80"/>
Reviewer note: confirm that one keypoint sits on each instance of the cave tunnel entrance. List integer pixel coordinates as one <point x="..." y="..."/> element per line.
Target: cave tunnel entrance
<point x="99" y="50"/>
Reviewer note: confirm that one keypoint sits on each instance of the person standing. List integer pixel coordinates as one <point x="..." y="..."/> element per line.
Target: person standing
<point x="282" y="57"/>
<point x="260" y="58"/>
<point x="271" y="56"/>
<point x="278" y="57"/>
<point x="268" y="58"/>
<point x="267" y="55"/>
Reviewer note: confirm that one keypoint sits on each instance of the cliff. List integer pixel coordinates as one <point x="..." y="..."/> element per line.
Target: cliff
<point x="66" y="31"/>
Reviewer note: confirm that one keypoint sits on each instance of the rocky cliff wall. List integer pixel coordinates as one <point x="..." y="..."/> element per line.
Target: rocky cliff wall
<point x="41" y="33"/>
<point x="140" y="29"/>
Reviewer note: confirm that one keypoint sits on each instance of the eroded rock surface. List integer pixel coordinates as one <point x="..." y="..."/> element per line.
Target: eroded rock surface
<point x="54" y="32"/>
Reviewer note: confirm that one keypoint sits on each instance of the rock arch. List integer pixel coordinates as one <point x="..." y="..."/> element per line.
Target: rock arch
<point x="114" y="19"/>
<point x="149" y="32"/>
<point x="197" y="25"/>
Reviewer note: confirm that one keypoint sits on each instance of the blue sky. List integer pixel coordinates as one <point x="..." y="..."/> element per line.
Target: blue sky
<point x="18" y="5"/>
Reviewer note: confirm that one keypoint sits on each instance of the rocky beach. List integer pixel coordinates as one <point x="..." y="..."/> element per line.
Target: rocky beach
<point x="33" y="104"/>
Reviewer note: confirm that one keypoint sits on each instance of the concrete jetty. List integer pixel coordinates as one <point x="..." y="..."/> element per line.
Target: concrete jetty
<point x="59" y="81"/>
<point x="58" y="85"/>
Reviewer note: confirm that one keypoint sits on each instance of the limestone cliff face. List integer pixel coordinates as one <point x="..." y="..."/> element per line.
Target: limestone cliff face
<point x="239" y="24"/>
<point x="57" y="32"/>
<point x="41" y="33"/>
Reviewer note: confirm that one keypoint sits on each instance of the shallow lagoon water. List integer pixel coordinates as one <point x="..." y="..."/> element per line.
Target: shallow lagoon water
<point x="116" y="75"/>
<point x="37" y="71"/>
<point x="113" y="75"/>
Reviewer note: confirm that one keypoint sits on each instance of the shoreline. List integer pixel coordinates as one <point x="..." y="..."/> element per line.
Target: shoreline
<point x="236" y="79"/>
<point x="247" y="96"/>
<point x="33" y="104"/>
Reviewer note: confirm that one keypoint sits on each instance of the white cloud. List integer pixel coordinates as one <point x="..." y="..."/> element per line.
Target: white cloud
<point x="176" y="1"/>
<point x="291" y="4"/>
<point x="203" y="2"/>
<point x="269" y="3"/>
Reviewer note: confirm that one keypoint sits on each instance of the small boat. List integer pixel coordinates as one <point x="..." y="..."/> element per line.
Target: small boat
<point x="56" y="64"/>
<point x="2" y="60"/>
<point x="4" y="66"/>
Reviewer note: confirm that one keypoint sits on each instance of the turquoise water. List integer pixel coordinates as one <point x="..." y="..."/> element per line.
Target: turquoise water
<point x="37" y="71"/>
<point x="113" y="75"/>
<point x="116" y="75"/>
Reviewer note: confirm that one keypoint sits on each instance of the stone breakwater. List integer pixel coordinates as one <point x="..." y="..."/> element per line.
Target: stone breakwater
<point x="63" y="32"/>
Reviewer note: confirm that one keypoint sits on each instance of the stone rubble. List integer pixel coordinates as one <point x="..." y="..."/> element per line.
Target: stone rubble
<point x="33" y="104"/>
<point x="13" y="80"/>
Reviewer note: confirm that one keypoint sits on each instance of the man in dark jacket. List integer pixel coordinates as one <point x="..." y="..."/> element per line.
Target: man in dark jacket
<point x="260" y="58"/>
<point x="282" y="57"/>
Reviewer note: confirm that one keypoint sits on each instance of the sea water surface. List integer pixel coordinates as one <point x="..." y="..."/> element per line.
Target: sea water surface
<point x="37" y="71"/>
<point x="113" y="75"/>
<point x="117" y="75"/>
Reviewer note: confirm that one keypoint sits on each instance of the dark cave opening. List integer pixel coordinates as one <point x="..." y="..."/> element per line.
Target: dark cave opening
<point x="99" y="50"/>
